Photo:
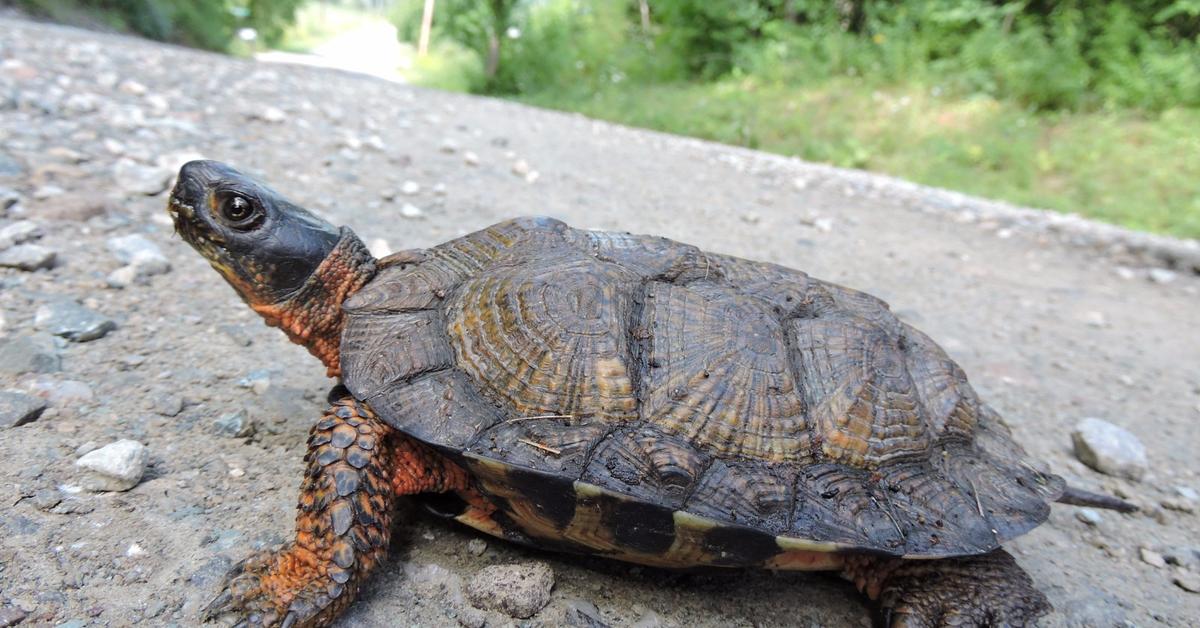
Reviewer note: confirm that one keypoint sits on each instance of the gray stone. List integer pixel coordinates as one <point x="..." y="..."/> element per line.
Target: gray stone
<point x="517" y="590"/>
<point x="134" y="248"/>
<point x="18" y="408"/>
<point x="46" y="499"/>
<point x="1152" y="558"/>
<point x="18" y="232"/>
<point x="1109" y="449"/>
<point x="72" y="321"/>
<point x="1162" y="275"/>
<point x="1178" y="504"/>
<point x="28" y="257"/>
<point x="8" y="198"/>
<point x="476" y="547"/>
<point x="1186" y="557"/>
<point x="133" y="178"/>
<point x="234" y="425"/>
<point x="168" y="404"/>
<point x="35" y="353"/>
<point x="1189" y="582"/>
<point x="117" y="466"/>
<point x="11" y="616"/>
<point x="69" y="392"/>
<point x="238" y="334"/>
<point x="580" y="613"/>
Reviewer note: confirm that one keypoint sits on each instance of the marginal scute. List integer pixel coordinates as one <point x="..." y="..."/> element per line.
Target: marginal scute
<point x="553" y="444"/>
<point x="751" y="494"/>
<point x="646" y="464"/>
<point x="718" y="374"/>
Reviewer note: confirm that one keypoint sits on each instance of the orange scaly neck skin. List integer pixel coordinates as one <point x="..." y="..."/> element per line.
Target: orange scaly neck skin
<point x="313" y="315"/>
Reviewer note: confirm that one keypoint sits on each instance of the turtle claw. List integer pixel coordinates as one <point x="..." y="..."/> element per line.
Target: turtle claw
<point x="243" y="597"/>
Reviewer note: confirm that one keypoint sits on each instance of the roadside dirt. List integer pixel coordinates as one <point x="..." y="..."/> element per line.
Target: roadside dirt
<point x="91" y="127"/>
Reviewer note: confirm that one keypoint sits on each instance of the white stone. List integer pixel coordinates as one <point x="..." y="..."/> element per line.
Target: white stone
<point x="18" y="232"/>
<point x="470" y="158"/>
<point x="410" y="188"/>
<point x="1162" y="275"/>
<point x="520" y="167"/>
<point x="408" y="210"/>
<point x="379" y="247"/>
<point x="1109" y="449"/>
<point x="130" y="86"/>
<point x="117" y="466"/>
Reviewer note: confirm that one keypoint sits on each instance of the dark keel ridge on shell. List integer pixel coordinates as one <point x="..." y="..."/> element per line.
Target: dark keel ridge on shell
<point x="635" y="396"/>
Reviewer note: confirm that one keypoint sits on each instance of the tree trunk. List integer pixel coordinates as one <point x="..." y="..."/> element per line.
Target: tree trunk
<point x="493" y="58"/>
<point x="426" y="26"/>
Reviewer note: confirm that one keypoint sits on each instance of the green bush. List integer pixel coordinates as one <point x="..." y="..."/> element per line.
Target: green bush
<point x="210" y="24"/>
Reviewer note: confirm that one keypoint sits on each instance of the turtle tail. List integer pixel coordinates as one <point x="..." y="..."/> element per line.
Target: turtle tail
<point x="1079" y="497"/>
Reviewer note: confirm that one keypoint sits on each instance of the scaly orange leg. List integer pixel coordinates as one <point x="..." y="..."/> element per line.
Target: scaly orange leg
<point x="356" y="467"/>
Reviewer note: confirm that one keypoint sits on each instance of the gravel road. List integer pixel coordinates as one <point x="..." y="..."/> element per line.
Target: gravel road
<point x="163" y="354"/>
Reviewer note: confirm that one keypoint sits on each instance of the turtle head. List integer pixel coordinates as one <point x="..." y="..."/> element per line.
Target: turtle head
<point x="265" y="246"/>
<point x="292" y="267"/>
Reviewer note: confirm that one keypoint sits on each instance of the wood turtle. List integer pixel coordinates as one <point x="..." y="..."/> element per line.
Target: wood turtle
<point x="624" y="396"/>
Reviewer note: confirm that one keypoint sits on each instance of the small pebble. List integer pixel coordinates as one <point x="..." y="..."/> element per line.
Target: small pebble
<point x="1162" y="275"/>
<point x="19" y="232"/>
<point x="449" y="145"/>
<point x="117" y="466"/>
<point x="1109" y="449"/>
<point x="72" y="321"/>
<point x="1179" y="504"/>
<point x="135" y="179"/>
<point x="168" y="404"/>
<point x="234" y="425"/>
<point x="517" y="590"/>
<point x="520" y="168"/>
<point x="408" y="210"/>
<point x="18" y="408"/>
<point x="1189" y="582"/>
<point x="476" y="547"/>
<point x="470" y="158"/>
<point x="410" y="188"/>
<point x="1152" y="558"/>
<point x="270" y="114"/>
<point x="35" y="353"/>
<point x="29" y="257"/>
<point x="1089" y="516"/>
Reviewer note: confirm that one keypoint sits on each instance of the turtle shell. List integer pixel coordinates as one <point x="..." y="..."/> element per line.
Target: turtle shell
<point x="638" y="397"/>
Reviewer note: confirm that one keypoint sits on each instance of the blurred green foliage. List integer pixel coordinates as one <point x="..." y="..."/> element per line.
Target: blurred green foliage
<point x="1066" y="54"/>
<point x="210" y="24"/>
<point x="1091" y="107"/>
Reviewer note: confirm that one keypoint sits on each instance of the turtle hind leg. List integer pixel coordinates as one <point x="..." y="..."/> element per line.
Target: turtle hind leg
<point x="356" y="467"/>
<point x="985" y="590"/>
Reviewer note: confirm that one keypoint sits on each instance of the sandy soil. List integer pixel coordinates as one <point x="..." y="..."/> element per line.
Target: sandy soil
<point x="91" y="127"/>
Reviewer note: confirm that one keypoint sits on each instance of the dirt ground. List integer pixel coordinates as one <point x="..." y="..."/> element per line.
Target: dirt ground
<point x="91" y="127"/>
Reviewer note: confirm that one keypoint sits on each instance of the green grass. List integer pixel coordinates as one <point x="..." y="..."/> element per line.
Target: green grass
<point x="1132" y="169"/>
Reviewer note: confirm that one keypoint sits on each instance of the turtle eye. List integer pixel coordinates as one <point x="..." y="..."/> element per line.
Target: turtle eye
<point x="239" y="212"/>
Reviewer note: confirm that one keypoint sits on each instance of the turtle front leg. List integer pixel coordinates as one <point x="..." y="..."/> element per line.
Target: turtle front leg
<point x="986" y="590"/>
<point x="356" y="467"/>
